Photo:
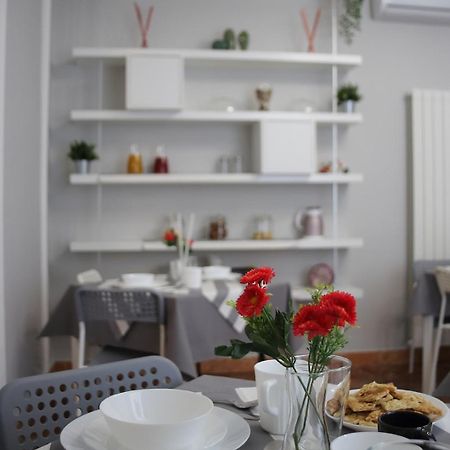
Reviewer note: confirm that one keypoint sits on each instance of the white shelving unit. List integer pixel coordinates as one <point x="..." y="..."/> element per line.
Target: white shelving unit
<point x="206" y="178"/>
<point x="321" y="243"/>
<point x="118" y="55"/>
<point x="333" y="119"/>
<point x="321" y="118"/>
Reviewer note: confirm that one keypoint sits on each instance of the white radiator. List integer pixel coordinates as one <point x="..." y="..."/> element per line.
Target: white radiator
<point x="431" y="174"/>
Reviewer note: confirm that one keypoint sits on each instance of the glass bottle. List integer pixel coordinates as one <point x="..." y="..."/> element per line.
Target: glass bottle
<point x="135" y="161"/>
<point x="218" y="228"/>
<point x="160" y="164"/>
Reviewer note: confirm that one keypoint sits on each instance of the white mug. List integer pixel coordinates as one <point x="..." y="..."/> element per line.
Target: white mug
<point x="271" y="389"/>
<point x="192" y="277"/>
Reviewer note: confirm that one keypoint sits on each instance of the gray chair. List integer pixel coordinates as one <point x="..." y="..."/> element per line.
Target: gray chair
<point x="132" y="305"/>
<point x="34" y="410"/>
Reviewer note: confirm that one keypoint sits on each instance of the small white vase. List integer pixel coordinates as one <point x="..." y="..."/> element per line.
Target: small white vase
<point x="82" y="166"/>
<point x="348" y="106"/>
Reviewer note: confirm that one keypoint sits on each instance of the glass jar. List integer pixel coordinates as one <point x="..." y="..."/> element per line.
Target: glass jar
<point x="263" y="227"/>
<point x="218" y="229"/>
<point x="134" y="161"/>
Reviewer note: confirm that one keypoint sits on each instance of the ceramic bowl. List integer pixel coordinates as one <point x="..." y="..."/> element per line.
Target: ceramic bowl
<point x="216" y="272"/>
<point x="138" y="279"/>
<point x="364" y="440"/>
<point x="163" y="419"/>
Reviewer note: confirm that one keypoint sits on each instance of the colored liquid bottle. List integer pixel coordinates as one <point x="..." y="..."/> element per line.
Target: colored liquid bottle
<point x="135" y="161"/>
<point x="160" y="164"/>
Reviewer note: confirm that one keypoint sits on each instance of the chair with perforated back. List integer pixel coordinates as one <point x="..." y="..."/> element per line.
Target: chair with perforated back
<point x="34" y="410"/>
<point x="443" y="280"/>
<point x="118" y="305"/>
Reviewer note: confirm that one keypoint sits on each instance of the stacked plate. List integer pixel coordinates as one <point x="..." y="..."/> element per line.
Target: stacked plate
<point x="160" y="418"/>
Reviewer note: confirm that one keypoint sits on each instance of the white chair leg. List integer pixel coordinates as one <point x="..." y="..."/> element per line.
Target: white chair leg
<point x="412" y="345"/>
<point x="437" y="345"/>
<point x="162" y="339"/>
<point x="81" y="343"/>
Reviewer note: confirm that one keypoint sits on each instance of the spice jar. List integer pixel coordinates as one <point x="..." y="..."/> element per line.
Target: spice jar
<point x="263" y="227"/>
<point x="134" y="161"/>
<point x="160" y="164"/>
<point x="218" y="228"/>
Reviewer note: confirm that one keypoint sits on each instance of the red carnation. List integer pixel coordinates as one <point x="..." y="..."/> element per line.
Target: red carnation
<point x="170" y="235"/>
<point x="312" y="320"/>
<point x="258" y="275"/>
<point x="252" y="301"/>
<point x="342" y="300"/>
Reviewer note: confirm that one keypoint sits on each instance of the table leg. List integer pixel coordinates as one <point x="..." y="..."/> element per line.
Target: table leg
<point x="427" y="351"/>
<point x="74" y="352"/>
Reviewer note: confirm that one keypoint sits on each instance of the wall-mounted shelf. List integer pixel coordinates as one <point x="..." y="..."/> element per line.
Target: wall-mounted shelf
<point x="300" y="293"/>
<point x="321" y="118"/>
<point x="118" y="55"/>
<point x="226" y="245"/>
<point x="214" y="178"/>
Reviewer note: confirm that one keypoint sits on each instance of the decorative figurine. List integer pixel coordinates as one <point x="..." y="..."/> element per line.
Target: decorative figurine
<point x="310" y="33"/>
<point x="263" y="95"/>
<point x="244" y="40"/>
<point x="230" y="38"/>
<point x="144" y="27"/>
<point x="220" y="44"/>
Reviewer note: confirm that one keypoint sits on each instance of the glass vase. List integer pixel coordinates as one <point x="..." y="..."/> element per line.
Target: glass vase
<point x="306" y="387"/>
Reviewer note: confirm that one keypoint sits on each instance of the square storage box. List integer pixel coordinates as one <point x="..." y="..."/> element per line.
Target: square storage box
<point x="154" y="82"/>
<point x="284" y="147"/>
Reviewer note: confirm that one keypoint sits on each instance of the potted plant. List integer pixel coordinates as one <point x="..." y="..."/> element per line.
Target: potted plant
<point x="82" y="153"/>
<point x="347" y="97"/>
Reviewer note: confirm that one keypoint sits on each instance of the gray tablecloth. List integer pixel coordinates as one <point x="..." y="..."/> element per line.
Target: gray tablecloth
<point x="194" y="327"/>
<point x="425" y="296"/>
<point x="224" y="388"/>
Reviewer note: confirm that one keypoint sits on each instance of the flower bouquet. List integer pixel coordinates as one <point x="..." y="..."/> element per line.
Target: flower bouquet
<point x="323" y="322"/>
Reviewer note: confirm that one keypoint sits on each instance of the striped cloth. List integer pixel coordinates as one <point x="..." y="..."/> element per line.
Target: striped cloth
<point x="217" y="292"/>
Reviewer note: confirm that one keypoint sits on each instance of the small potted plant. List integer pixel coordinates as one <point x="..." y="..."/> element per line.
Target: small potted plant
<point x="347" y="97"/>
<point x="82" y="153"/>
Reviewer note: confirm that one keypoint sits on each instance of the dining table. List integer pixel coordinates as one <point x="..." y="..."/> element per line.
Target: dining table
<point x="222" y="391"/>
<point x="197" y="320"/>
<point x="425" y="303"/>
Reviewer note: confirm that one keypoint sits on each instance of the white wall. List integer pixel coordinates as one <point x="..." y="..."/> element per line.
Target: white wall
<point x="21" y="187"/>
<point x="397" y="57"/>
<point x="3" y="12"/>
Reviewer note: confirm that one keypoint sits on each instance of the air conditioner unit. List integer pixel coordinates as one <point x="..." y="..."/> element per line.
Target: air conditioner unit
<point x="425" y="11"/>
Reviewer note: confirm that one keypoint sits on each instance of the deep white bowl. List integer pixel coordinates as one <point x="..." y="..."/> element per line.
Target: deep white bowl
<point x="138" y="279"/>
<point x="216" y="272"/>
<point x="158" y="419"/>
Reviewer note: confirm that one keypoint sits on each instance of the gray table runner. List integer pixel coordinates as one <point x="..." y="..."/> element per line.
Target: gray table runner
<point x="425" y="297"/>
<point x="194" y="327"/>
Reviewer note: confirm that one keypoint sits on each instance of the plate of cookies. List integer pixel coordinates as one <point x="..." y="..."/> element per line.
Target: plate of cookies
<point x="365" y="405"/>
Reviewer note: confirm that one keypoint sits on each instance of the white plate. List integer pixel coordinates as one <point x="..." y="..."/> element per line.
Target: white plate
<point x="364" y="440"/>
<point x="229" y="277"/>
<point x="435" y="401"/>
<point x="228" y="431"/>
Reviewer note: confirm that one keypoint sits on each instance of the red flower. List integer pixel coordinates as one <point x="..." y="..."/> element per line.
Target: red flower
<point x="342" y="300"/>
<point x="258" y="275"/>
<point x="170" y="235"/>
<point x="312" y="320"/>
<point x="252" y="301"/>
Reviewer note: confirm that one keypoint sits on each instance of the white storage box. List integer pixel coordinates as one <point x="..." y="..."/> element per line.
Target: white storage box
<point x="154" y="82"/>
<point x="285" y="147"/>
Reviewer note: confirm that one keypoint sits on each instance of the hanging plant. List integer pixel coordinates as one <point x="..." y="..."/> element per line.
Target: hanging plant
<point x="350" y="20"/>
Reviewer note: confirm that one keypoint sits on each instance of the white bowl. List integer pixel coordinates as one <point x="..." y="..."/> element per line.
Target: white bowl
<point x="364" y="440"/>
<point x="216" y="272"/>
<point x="138" y="279"/>
<point x="158" y="419"/>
